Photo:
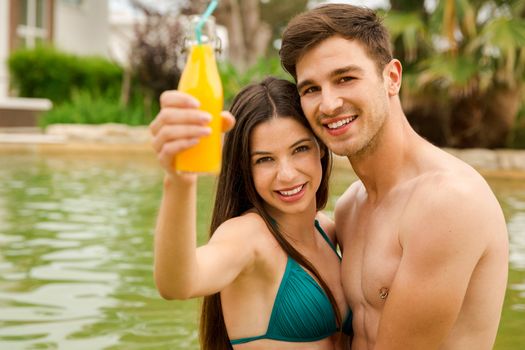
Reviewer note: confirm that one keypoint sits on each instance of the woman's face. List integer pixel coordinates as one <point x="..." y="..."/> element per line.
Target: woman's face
<point x="286" y="165"/>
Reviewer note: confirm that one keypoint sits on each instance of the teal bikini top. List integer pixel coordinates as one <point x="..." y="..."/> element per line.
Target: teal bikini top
<point x="301" y="311"/>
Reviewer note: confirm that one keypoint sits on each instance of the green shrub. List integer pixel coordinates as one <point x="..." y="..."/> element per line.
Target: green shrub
<point x="86" y="108"/>
<point x="233" y="81"/>
<point x="87" y="89"/>
<point x="48" y="73"/>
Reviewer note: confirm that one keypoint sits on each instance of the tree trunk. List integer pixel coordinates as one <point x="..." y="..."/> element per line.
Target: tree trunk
<point x="248" y="36"/>
<point x="257" y="33"/>
<point x="125" y="90"/>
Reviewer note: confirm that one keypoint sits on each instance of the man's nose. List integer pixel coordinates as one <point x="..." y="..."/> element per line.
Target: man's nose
<point x="330" y="102"/>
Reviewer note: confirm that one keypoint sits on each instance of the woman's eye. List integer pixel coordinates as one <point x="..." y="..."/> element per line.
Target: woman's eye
<point x="263" y="160"/>
<point x="303" y="148"/>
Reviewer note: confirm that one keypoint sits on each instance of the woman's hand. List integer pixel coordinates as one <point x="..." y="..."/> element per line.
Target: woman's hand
<point x="179" y="125"/>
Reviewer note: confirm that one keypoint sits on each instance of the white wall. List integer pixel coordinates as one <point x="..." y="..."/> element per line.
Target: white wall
<point x="122" y="35"/>
<point x="82" y="29"/>
<point x="4" y="46"/>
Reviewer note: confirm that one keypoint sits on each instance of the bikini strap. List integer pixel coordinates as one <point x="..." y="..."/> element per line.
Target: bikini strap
<point x="326" y="238"/>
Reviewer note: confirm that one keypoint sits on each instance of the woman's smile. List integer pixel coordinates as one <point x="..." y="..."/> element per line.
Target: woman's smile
<point x="293" y="194"/>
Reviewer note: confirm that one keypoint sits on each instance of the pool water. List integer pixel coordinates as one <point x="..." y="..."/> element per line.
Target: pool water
<point x="76" y="240"/>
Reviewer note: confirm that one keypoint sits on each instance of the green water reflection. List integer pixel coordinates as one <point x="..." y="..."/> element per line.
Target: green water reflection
<point x="76" y="256"/>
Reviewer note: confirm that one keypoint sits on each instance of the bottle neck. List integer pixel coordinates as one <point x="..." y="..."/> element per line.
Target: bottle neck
<point x="205" y="36"/>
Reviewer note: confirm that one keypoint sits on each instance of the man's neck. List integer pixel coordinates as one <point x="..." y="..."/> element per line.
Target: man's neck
<point x="390" y="159"/>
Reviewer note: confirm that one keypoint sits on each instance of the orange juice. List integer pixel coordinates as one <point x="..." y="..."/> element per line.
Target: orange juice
<point x="201" y="79"/>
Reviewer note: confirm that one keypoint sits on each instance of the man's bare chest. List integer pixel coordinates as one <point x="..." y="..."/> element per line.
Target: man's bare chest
<point x="371" y="257"/>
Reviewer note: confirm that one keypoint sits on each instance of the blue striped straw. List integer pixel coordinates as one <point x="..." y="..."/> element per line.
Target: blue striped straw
<point x="198" y="30"/>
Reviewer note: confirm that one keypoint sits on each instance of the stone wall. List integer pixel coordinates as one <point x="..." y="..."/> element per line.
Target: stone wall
<point x="117" y="138"/>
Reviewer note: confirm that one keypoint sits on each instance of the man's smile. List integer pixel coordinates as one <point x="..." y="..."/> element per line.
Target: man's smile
<point x="340" y="123"/>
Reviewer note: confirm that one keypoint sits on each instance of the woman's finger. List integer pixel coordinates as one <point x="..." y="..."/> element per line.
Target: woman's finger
<point x="171" y="133"/>
<point x="228" y="121"/>
<point x="167" y="154"/>
<point x="175" y="98"/>
<point x="171" y="116"/>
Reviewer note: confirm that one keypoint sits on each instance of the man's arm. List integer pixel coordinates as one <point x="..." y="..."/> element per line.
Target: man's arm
<point x="443" y="236"/>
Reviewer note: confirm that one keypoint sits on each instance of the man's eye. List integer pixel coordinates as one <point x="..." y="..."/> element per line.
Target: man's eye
<point x="346" y="79"/>
<point x="310" y="90"/>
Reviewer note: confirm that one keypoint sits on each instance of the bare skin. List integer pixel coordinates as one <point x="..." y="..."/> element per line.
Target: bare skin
<point x="425" y="249"/>
<point x="242" y="260"/>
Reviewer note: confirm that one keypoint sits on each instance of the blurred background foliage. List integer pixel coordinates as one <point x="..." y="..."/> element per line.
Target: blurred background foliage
<point x="464" y="64"/>
<point x="463" y="61"/>
<point x="46" y="72"/>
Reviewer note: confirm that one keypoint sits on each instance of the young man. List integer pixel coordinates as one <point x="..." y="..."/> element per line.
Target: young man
<point x="424" y="241"/>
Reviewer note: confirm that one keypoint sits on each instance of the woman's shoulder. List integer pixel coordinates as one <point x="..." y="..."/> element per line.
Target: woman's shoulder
<point x="248" y="220"/>
<point x="327" y="225"/>
<point x="250" y="233"/>
<point x="248" y="227"/>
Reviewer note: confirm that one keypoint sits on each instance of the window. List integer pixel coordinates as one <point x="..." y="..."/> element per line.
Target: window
<point x="32" y="22"/>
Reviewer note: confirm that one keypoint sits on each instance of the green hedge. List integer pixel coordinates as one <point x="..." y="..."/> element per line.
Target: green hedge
<point x="84" y="108"/>
<point x="87" y="89"/>
<point x="48" y="73"/>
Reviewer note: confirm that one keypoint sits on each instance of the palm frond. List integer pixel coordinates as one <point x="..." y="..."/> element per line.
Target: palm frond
<point x="502" y="40"/>
<point x="460" y="75"/>
<point x="409" y="27"/>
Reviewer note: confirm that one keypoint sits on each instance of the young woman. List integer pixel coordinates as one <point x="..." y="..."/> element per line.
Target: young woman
<point x="270" y="271"/>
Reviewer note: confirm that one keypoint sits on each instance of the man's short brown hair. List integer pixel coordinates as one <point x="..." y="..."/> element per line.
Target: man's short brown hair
<point x="310" y="28"/>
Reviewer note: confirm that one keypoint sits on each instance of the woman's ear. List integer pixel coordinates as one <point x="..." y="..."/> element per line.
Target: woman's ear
<point x="322" y="150"/>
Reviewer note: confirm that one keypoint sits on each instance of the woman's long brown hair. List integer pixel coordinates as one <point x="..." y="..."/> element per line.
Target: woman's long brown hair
<point x="257" y="103"/>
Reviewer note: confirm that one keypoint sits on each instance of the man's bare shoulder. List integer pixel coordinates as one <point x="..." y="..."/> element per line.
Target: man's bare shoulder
<point x="455" y="188"/>
<point x="448" y="202"/>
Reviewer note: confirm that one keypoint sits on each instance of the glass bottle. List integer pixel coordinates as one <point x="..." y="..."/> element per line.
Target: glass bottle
<point x="200" y="78"/>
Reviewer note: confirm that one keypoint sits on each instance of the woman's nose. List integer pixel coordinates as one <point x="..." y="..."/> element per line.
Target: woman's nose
<point x="286" y="171"/>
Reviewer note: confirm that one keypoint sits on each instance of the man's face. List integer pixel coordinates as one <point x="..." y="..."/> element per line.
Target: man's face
<point x="343" y="95"/>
